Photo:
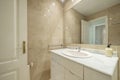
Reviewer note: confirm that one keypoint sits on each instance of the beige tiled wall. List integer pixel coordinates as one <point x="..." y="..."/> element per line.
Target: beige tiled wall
<point x="114" y="25"/>
<point x="45" y="27"/>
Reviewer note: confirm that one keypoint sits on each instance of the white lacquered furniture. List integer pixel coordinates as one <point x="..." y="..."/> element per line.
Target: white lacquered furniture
<point x="68" y="68"/>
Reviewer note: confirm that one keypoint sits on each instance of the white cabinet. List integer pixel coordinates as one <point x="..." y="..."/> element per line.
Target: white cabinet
<point x="71" y="76"/>
<point x="73" y="67"/>
<point x="90" y="74"/>
<point x="57" y="71"/>
<point x="66" y="69"/>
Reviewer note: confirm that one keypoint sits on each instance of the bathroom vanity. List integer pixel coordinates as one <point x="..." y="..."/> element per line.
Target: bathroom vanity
<point x="96" y="67"/>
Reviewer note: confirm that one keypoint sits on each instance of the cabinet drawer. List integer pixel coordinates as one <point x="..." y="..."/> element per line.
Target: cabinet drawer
<point x="70" y="76"/>
<point x="90" y="74"/>
<point x="72" y="66"/>
<point x="57" y="71"/>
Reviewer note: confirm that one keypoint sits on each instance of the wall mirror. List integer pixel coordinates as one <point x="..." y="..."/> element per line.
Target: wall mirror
<point x="94" y="31"/>
<point x="99" y="22"/>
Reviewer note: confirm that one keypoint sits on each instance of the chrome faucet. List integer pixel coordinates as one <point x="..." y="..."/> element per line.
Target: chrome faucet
<point x="79" y="49"/>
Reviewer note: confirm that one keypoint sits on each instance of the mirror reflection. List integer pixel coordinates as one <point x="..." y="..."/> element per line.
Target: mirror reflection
<point x="93" y="22"/>
<point x="94" y="31"/>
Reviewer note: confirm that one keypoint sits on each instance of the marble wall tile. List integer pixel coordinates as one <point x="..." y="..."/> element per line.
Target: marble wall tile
<point x="114" y="25"/>
<point x="45" y="27"/>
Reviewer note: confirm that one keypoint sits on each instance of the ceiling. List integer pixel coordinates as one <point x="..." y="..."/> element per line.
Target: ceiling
<point x="88" y="7"/>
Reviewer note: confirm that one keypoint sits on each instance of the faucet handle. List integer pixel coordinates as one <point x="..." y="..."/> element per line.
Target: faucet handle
<point x="79" y="49"/>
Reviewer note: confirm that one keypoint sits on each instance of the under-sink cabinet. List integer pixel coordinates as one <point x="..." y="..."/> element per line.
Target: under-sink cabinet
<point x="90" y="74"/>
<point x="65" y="69"/>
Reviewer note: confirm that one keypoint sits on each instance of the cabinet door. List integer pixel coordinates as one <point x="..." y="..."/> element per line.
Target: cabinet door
<point x="72" y="66"/>
<point x="57" y="71"/>
<point x="90" y="74"/>
<point x="71" y="76"/>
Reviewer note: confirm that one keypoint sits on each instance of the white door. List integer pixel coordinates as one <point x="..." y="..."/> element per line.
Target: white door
<point x="13" y="39"/>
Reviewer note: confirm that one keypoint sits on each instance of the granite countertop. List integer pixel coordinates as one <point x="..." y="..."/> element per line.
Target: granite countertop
<point x="97" y="62"/>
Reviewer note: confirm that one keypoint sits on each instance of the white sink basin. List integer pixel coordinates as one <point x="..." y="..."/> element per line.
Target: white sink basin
<point x="77" y="54"/>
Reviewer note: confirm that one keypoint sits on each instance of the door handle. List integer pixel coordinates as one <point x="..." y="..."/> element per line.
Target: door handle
<point x="24" y="47"/>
